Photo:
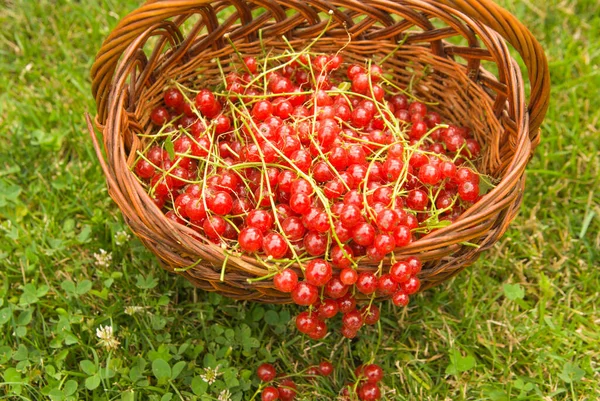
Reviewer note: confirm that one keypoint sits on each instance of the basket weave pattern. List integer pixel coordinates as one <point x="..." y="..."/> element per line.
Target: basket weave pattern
<point x="165" y="41"/>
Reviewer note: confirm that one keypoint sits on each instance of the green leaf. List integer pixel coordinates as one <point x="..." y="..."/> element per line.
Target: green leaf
<point x="167" y="397"/>
<point x="170" y="147"/>
<point x="5" y="315"/>
<point x="21" y="354"/>
<point x="8" y="193"/>
<point x="257" y="314"/>
<point x="571" y="373"/>
<point x="12" y="375"/>
<point x="24" y="317"/>
<point x="459" y="364"/>
<point x="84" y="235"/>
<point x="21" y="331"/>
<point x="88" y="367"/>
<point x="29" y="295"/>
<point x="161" y="369"/>
<point x="210" y="361"/>
<point x="199" y="386"/>
<point x="230" y="377"/>
<point x="83" y="287"/>
<point x="128" y="396"/>
<point x="69" y="287"/>
<point x="146" y="283"/>
<point x="56" y="394"/>
<point x="92" y="382"/>
<point x="42" y="290"/>
<point x="158" y="322"/>
<point x="177" y="368"/>
<point x="5" y="354"/>
<point x="514" y="291"/>
<point x="70" y="387"/>
<point x="344" y="86"/>
<point x="272" y="317"/>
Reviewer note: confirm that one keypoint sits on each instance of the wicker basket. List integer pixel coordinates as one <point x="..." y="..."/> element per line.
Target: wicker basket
<point x="450" y="39"/>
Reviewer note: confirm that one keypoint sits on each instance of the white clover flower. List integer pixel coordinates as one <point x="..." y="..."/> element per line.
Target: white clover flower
<point x="103" y="258"/>
<point x="224" y="395"/>
<point x="107" y="337"/>
<point x="210" y="375"/>
<point x="121" y="237"/>
<point x="132" y="310"/>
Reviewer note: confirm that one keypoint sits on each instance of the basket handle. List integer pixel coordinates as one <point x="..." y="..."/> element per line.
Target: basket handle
<point x="532" y="53"/>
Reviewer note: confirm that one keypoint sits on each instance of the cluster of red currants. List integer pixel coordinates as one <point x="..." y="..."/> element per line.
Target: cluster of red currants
<point x="315" y="163"/>
<point x="337" y="293"/>
<point x="367" y="384"/>
<point x="287" y="390"/>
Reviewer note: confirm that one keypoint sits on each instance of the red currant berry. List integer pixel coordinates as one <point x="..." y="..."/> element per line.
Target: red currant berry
<point x="328" y="309"/>
<point x="363" y="234"/>
<point x="287" y="390"/>
<point x="335" y="289"/>
<point x="144" y="169"/>
<point x="293" y="229"/>
<point x="173" y="98"/>
<point x="326" y="368"/>
<point x="387" y="285"/>
<point x="305" y="294"/>
<point x="400" y="298"/>
<point x="250" y="239"/>
<point x="220" y="203"/>
<point x="160" y="116"/>
<point x="266" y="372"/>
<point x="286" y="280"/>
<point x="341" y="257"/>
<point x="274" y="245"/>
<point x="351" y="216"/>
<point x="354" y="70"/>
<point x="214" y="227"/>
<point x="418" y="130"/>
<point x="370" y="314"/>
<point x="315" y="243"/>
<point x="346" y="303"/>
<point x="353" y="320"/>
<point x="348" y="276"/>
<point x="348" y="332"/>
<point x="430" y="174"/>
<point x="306" y="322"/>
<point x="360" y="83"/>
<point x="373" y="373"/>
<point x="468" y="191"/>
<point x="317" y="272"/>
<point x="369" y="392"/>
<point x="269" y="393"/>
<point x="411" y="286"/>
<point x="402" y="236"/>
<point x="319" y="331"/>
<point x="366" y="283"/>
<point x="262" y="110"/>
<point x="417" y="199"/>
<point x="361" y="117"/>
<point x="401" y="272"/>
<point x="415" y="264"/>
<point x="384" y="243"/>
<point x="300" y="202"/>
<point x="392" y="168"/>
<point x="260" y="219"/>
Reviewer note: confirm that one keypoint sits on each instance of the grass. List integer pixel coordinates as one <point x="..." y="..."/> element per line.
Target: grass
<point x="520" y="324"/>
